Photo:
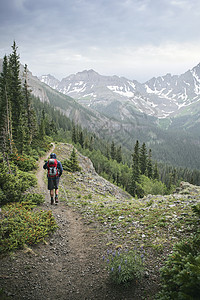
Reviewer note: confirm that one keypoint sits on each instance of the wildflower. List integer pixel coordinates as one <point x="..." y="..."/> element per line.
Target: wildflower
<point x="119" y="268"/>
<point x="112" y="269"/>
<point x="103" y="257"/>
<point x="108" y="260"/>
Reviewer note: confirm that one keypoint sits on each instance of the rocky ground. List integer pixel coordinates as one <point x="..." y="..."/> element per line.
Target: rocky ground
<point x="69" y="265"/>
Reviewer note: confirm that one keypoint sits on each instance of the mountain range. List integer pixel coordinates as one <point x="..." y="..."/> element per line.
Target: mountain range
<point x="161" y="97"/>
<point x="163" y="112"/>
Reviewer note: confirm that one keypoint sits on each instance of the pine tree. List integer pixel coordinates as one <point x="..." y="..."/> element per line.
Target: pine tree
<point x="91" y="145"/>
<point x="136" y="161"/>
<point x="155" y="172"/>
<point x="119" y="154"/>
<point x="74" y="135"/>
<point x="29" y="113"/>
<point x="5" y="111"/>
<point x="72" y="164"/>
<point x="149" y="165"/>
<point x="135" y="177"/>
<point x="15" y="92"/>
<point x="143" y="159"/>
<point x="42" y="130"/>
<point x="113" y="151"/>
<point x="81" y="139"/>
<point x="107" y="153"/>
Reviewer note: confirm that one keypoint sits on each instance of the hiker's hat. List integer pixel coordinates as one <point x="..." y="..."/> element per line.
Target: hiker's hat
<point x="52" y="155"/>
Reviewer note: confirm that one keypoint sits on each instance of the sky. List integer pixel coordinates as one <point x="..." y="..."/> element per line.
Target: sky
<point x="136" y="39"/>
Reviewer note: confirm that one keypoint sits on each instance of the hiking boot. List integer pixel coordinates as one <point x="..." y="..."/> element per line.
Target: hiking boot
<point x="56" y="200"/>
<point x="52" y="201"/>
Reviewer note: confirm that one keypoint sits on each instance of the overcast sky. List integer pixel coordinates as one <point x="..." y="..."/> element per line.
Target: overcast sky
<point x="137" y="39"/>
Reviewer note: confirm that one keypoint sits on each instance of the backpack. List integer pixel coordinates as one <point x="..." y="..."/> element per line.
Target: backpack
<point x="52" y="168"/>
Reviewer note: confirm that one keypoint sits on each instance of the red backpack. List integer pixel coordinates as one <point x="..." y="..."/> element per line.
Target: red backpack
<point x="52" y="168"/>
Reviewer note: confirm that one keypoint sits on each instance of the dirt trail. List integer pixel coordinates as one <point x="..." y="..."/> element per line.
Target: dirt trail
<point x="68" y="267"/>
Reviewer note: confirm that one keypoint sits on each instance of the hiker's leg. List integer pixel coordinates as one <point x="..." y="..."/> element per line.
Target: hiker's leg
<point x="56" y="195"/>
<point x="51" y="194"/>
<point x="56" y="189"/>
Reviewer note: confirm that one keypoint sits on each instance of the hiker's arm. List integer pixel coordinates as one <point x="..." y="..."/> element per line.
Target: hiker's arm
<point x="45" y="165"/>
<point x="60" y="168"/>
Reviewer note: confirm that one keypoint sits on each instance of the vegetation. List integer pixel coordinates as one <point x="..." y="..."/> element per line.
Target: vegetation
<point x="71" y="164"/>
<point x="180" y="276"/>
<point x="21" y="226"/>
<point x="26" y="128"/>
<point x="22" y="141"/>
<point x="124" y="267"/>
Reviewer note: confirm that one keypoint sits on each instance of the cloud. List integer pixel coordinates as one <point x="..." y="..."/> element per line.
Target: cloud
<point x="126" y="37"/>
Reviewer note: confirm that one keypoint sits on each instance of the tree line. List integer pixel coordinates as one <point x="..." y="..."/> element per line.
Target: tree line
<point x="20" y="132"/>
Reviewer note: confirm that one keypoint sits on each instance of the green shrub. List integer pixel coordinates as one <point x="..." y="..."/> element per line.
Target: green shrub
<point x="180" y="277"/>
<point x="19" y="226"/>
<point x="24" y="162"/>
<point x="152" y="186"/>
<point x="124" y="267"/>
<point x="12" y="186"/>
<point x="32" y="200"/>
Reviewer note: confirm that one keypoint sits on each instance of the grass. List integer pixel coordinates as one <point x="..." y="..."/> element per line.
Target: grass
<point x="155" y="223"/>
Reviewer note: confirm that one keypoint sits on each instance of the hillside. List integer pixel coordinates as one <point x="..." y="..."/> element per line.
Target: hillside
<point x="95" y="216"/>
<point x="173" y="141"/>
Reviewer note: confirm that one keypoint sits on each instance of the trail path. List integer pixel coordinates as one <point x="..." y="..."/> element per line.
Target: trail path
<point x="68" y="267"/>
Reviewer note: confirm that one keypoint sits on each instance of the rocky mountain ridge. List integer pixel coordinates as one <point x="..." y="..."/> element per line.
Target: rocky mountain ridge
<point x="162" y="97"/>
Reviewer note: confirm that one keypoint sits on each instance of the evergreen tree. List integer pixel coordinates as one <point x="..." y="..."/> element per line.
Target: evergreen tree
<point x="5" y="111"/>
<point x="74" y="135"/>
<point x="72" y="164"/>
<point x="29" y="114"/>
<point x="107" y="151"/>
<point x="143" y="159"/>
<point x="113" y="151"/>
<point x="119" y="154"/>
<point x="91" y="145"/>
<point x="15" y="92"/>
<point x="135" y="177"/>
<point x="155" y="172"/>
<point x="81" y="139"/>
<point x="86" y="142"/>
<point x="149" y="165"/>
<point x="42" y="130"/>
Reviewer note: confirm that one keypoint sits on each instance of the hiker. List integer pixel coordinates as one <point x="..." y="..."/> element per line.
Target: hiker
<point x="55" y="170"/>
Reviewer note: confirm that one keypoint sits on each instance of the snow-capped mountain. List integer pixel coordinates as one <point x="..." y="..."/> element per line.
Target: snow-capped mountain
<point x="160" y="97"/>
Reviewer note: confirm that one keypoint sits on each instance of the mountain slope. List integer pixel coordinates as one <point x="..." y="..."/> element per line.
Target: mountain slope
<point x="163" y="112"/>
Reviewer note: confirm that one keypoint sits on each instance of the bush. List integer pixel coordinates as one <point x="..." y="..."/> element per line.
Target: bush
<point x="180" y="277"/>
<point x="32" y="200"/>
<point x="24" y="162"/>
<point x="153" y="186"/>
<point x="124" y="267"/>
<point x="12" y="186"/>
<point x="19" y="226"/>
